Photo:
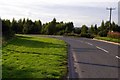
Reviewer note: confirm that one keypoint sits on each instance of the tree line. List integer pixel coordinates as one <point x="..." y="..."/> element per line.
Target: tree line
<point x="94" y="30"/>
<point x="27" y="26"/>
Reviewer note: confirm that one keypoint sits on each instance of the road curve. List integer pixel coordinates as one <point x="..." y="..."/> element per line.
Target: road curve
<point x="92" y="59"/>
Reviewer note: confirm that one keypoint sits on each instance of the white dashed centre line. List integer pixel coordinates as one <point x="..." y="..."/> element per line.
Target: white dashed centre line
<point x="118" y="57"/>
<point x="81" y="41"/>
<point x="102" y="49"/>
<point x="90" y="44"/>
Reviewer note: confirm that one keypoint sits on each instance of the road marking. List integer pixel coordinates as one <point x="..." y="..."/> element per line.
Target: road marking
<point x="81" y="41"/>
<point x="102" y="49"/>
<point x="76" y="65"/>
<point x="89" y="43"/>
<point x="118" y="57"/>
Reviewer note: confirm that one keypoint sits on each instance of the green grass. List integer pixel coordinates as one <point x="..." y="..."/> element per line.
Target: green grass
<point x="109" y="39"/>
<point x="34" y="57"/>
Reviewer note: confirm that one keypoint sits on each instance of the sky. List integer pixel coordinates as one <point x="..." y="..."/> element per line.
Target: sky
<point x="79" y="12"/>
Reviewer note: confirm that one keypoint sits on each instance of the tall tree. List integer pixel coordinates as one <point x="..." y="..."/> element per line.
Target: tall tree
<point x="37" y="27"/>
<point x="20" y="26"/>
<point x="25" y="28"/>
<point x="84" y="29"/>
<point x="104" y="28"/>
<point x="14" y="26"/>
<point x="52" y="27"/>
<point x="96" y="29"/>
<point x="77" y="30"/>
<point x="69" y="27"/>
<point x="6" y="29"/>
<point x="92" y="30"/>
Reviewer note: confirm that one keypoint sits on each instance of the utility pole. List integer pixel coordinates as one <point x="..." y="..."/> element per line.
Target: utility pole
<point x="110" y="9"/>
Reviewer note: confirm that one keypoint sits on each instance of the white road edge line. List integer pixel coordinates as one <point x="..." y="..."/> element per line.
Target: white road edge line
<point x="77" y="68"/>
<point x="102" y="49"/>
<point x="118" y="57"/>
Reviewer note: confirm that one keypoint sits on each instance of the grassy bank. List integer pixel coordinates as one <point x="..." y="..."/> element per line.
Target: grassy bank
<point x="108" y="39"/>
<point x="34" y="57"/>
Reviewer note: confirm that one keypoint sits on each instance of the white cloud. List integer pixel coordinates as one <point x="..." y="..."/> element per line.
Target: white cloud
<point x="79" y="11"/>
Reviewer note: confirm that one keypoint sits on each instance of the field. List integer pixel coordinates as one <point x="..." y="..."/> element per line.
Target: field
<point x="34" y="57"/>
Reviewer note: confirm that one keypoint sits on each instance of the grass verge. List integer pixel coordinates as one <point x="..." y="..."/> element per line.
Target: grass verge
<point x="108" y="39"/>
<point x="34" y="57"/>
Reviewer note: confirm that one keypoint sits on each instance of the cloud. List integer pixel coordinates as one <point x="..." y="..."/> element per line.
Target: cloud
<point x="78" y="11"/>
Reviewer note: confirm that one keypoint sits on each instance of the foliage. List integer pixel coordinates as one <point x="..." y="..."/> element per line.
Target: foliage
<point x="103" y="29"/>
<point x="84" y="29"/>
<point x="27" y="26"/>
<point x="95" y="29"/>
<point x="57" y="28"/>
<point x="34" y="57"/>
<point x="77" y="30"/>
<point x="6" y="29"/>
<point x="91" y="30"/>
<point x="14" y="26"/>
<point x="115" y="27"/>
<point x="87" y="35"/>
<point x="103" y="33"/>
<point x="114" y="35"/>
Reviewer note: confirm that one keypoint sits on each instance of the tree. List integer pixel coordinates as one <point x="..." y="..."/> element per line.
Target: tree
<point x="103" y="29"/>
<point x="51" y="27"/>
<point x="102" y="26"/>
<point x="14" y="26"/>
<point x="107" y="26"/>
<point x="69" y="27"/>
<point x="6" y="29"/>
<point x="77" y="30"/>
<point x="29" y="26"/>
<point x="92" y="30"/>
<point x="60" y="28"/>
<point x="115" y="27"/>
<point x="43" y="30"/>
<point x="20" y="26"/>
<point x="37" y="27"/>
<point x="84" y="29"/>
<point x="25" y="28"/>
<point x="96" y="29"/>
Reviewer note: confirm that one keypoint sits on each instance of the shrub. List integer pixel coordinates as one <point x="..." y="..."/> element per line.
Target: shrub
<point x="114" y="34"/>
<point x="87" y="35"/>
<point x="60" y="32"/>
<point x="102" y="33"/>
<point x="69" y="34"/>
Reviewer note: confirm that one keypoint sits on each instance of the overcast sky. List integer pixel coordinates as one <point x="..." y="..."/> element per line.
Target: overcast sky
<point x="77" y="11"/>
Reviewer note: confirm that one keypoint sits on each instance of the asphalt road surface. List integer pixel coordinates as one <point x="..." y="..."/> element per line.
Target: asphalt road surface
<point x="92" y="59"/>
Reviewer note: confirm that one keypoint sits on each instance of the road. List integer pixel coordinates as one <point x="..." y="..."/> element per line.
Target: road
<point x="92" y="59"/>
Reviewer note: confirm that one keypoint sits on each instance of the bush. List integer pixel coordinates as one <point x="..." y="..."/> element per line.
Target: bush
<point x="102" y="33"/>
<point x="60" y="32"/>
<point x="114" y="35"/>
<point x="87" y="35"/>
<point x="69" y="34"/>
